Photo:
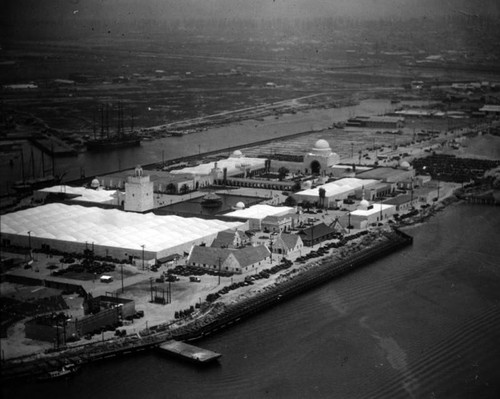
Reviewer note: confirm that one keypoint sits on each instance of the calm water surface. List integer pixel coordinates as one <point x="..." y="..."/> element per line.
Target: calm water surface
<point x="218" y="138"/>
<point x="421" y="323"/>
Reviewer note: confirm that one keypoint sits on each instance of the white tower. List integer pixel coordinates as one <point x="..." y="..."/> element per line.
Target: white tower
<point x="139" y="192"/>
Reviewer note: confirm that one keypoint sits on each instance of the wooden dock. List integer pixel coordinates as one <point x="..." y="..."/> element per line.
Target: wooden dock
<point x="189" y="352"/>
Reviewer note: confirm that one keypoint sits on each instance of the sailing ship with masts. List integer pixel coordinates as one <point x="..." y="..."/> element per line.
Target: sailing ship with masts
<point x="120" y="139"/>
<point x="31" y="180"/>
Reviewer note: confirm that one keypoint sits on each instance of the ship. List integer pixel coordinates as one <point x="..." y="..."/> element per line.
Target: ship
<point x="113" y="142"/>
<point x="28" y="185"/>
<point x="64" y="372"/>
<point x="106" y="141"/>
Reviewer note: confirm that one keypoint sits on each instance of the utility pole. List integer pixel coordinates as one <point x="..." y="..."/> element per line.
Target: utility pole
<point x="122" y="277"/>
<point x="219" y="270"/>
<point x="29" y="244"/>
<point x="143" y="245"/>
<point x="151" y="285"/>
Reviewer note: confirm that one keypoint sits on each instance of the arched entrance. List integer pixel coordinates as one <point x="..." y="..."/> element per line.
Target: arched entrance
<point x="315" y="167"/>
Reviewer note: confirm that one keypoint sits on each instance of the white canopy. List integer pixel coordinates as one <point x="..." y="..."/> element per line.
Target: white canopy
<point x="111" y="227"/>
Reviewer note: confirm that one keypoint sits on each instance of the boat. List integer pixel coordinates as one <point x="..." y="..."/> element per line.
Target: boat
<point x="211" y="200"/>
<point x="113" y="142"/>
<point x="65" y="371"/>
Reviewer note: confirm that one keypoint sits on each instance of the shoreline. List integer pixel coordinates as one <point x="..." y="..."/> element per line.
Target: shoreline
<point x="313" y="273"/>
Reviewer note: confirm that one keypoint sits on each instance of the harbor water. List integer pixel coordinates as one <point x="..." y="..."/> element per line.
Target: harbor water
<point x="423" y="322"/>
<point x="217" y="138"/>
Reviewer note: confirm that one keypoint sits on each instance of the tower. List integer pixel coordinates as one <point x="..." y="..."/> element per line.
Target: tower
<point x="139" y="192"/>
<point x="321" y="158"/>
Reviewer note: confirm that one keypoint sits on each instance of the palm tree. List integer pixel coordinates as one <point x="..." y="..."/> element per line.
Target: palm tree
<point x="184" y="189"/>
<point x="282" y="172"/>
<point x="322" y="193"/>
<point x="170" y="188"/>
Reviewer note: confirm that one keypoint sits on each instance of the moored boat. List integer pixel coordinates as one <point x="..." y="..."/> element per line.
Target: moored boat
<point x="64" y="372"/>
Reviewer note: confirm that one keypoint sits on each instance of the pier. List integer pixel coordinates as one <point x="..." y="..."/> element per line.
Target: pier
<point x="189" y="352"/>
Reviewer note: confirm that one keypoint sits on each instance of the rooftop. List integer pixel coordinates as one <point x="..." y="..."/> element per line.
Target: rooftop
<point x="375" y="209"/>
<point x="110" y="227"/>
<point x="383" y="174"/>
<point x="232" y="164"/>
<point x="84" y="194"/>
<point x="339" y="187"/>
<point x="260" y="211"/>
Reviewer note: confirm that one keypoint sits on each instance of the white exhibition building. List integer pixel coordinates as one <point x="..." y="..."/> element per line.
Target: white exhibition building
<point x="122" y="235"/>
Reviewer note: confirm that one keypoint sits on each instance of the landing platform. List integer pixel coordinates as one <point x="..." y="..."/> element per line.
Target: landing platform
<point x="189" y="352"/>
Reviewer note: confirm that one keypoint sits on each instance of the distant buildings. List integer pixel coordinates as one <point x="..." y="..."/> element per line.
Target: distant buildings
<point x="378" y="122"/>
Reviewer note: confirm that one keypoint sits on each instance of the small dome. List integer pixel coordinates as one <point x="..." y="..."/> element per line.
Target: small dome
<point x="364" y="204"/>
<point x="404" y="165"/>
<point x="237" y="154"/>
<point x="321" y="145"/>
<point x="240" y="205"/>
<point x="95" y="183"/>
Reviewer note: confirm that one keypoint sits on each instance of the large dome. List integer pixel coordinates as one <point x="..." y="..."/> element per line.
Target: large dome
<point x="240" y="205"/>
<point x="321" y="145"/>
<point x="237" y="154"/>
<point x="94" y="183"/>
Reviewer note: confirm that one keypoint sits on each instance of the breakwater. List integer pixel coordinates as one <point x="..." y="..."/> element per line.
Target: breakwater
<point x="222" y="316"/>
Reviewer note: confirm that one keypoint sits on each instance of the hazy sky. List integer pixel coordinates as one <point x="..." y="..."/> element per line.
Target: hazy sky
<point x="169" y="9"/>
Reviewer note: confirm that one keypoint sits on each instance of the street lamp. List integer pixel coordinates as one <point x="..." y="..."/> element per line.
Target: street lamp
<point x="143" y="245"/>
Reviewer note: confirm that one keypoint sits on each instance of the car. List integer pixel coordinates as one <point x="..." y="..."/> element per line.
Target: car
<point x="195" y="279"/>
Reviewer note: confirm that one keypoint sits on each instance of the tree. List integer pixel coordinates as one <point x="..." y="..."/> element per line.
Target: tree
<point x="322" y="193"/>
<point x="170" y="188"/>
<point x="282" y="172"/>
<point x="290" y="201"/>
<point x="184" y="189"/>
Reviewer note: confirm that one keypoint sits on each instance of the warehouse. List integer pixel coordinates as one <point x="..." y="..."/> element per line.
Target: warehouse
<point x="336" y="190"/>
<point x="261" y="214"/>
<point x="368" y="215"/>
<point x="70" y="228"/>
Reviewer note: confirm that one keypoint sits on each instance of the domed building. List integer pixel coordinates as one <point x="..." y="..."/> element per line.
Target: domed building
<point x="320" y="159"/>
<point x="240" y="205"/>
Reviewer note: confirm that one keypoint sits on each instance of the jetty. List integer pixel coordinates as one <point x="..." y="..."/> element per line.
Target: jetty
<point x="188" y="352"/>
